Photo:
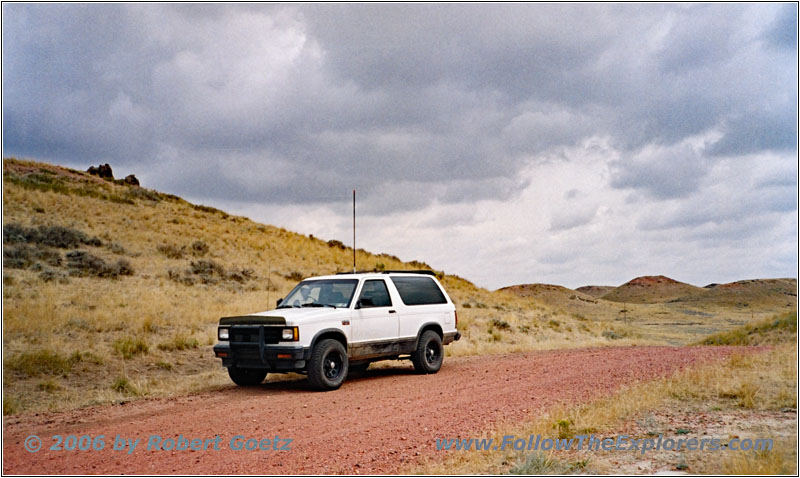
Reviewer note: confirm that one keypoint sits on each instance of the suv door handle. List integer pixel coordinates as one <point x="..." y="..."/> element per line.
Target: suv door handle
<point x="392" y="311"/>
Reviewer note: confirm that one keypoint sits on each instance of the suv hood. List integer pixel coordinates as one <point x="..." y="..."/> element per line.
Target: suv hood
<point x="306" y="315"/>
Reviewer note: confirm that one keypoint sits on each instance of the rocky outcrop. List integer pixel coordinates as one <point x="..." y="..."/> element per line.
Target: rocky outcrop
<point x="104" y="171"/>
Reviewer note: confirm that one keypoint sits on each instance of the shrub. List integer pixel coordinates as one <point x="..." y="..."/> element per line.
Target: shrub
<point x="242" y="275"/>
<point x="164" y="365"/>
<point x="179" y="342"/>
<point x="48" y="386"/>
<point x="116" y="248"/>
<point x="53" y="236"/>
<point x="82" y="263"/>
<point x="171" y="251"/>
<point x="199" y="248"/>
<point x="294" y="276"/>
<point x="143" y="193"/>
<point x="209" y="272"/>
<point x="335" y="243"/>
<point x="11" y="405"/>
<point x="123" y="385"/>
<point x="24" y="256"/>
<point x="128" y="347"/>
<point x="209" y="209"/>
<point x="538" y="464"/>
<point x="611" y="335"/>
<point x="501" y="324"/>
<point x="40" y="362"/>
<point x="49" y="275"/>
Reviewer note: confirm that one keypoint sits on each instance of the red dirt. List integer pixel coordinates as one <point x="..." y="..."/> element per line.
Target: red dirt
<point x="381" y="422"/>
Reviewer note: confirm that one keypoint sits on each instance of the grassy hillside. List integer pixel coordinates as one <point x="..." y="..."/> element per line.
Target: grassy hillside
<point x="780" y="329"/>
<point x="651" y="289"/>
<point x="661" y="310"/>
<point x="113" y="292"/>
<point x="595" y="290"/>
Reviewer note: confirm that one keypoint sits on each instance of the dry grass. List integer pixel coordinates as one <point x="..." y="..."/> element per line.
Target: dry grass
<point x="747" y="384"/>
<point x="767" y="331"/>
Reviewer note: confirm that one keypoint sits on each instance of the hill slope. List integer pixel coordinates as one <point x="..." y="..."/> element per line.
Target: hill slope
<point x="113" y="292"/>
<point x="652" y="289"/>
<point x="595" y="290"/>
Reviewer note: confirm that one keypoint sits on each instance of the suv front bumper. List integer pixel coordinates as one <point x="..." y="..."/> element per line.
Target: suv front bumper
<point x="262" y="356"/>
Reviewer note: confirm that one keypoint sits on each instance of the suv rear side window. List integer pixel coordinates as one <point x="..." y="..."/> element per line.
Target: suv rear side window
<point x="375" y="294"/>
<point x="418" y="290"/>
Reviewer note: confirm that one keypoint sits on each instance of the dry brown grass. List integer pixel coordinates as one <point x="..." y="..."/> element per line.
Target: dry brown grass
<point x="748" y="384"/>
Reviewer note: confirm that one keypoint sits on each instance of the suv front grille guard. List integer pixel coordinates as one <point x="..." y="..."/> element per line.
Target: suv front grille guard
<point x="248" y="342"/>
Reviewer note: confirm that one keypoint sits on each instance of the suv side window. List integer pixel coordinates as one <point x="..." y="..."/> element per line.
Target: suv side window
<point x="375" y="294"/>
<point x="418" y="290"/>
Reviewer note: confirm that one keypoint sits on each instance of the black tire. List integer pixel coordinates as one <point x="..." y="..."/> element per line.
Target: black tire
<point x="429" y="355"/>
<point x="247" y="377"/>
<point x="328" y="365"/>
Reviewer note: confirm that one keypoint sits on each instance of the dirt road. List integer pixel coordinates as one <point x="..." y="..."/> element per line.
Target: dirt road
<point x="378" y="422"/>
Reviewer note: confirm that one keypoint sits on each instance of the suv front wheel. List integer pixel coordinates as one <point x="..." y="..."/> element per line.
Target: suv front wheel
<point x="328" y="365"/>
<point x="428" y="356"/>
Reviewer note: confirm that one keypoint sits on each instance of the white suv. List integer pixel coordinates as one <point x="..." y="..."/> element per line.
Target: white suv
<point x="330" y="325"/>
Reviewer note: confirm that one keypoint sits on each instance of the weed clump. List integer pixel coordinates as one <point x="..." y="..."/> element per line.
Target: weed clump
<point x="209" y="272"/>
<point x="171" y="251"/>
<point x="294" y="276"/>
<point x="24" y="256"/>
<point x="123" y="385"/>
<point x="611" y="335"/>
<point x="53" y="236"/>
<point x="41" y="362"/>
<point x="501" y="324"/>
<point x="199" y="248"/>
<point x="82" y="263"/>
<point x="179" y="342"/>
<point x="129" y="347"/>
<point x="337" y="244"/>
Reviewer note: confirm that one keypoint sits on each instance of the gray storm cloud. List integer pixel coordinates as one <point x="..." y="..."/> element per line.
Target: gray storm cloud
<point x="414" y="105"/>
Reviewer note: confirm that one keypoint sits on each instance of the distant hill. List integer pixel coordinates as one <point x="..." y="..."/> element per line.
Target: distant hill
<point x="748" y="293"/>
<point x="651" y="290"/>
<point x="548" y="293"/>
<point x="596" y="290"/>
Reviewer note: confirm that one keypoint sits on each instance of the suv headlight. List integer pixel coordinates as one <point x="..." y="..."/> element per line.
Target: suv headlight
<point x="290" y="334"/>
<point x="222" y="333"/>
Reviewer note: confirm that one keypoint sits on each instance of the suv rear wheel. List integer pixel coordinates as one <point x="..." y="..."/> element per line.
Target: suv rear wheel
<point x="246" y="377"/>
<point x="328" y="365"/>
<point x="428" y="356"/>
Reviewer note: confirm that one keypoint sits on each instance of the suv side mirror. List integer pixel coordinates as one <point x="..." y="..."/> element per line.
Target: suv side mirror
<point x="364" y="302"/>
<point x="279" y="302"/>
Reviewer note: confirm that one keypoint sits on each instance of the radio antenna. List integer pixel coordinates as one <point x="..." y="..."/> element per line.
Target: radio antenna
<point x="354" y="231"/>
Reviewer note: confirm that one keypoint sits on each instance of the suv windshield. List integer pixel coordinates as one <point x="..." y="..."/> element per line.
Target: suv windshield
<point x="321" y="293"/>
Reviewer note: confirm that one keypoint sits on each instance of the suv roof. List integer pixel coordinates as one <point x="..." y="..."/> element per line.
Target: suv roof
<point x="421" y="271"/>
<point x="360" y="274"/>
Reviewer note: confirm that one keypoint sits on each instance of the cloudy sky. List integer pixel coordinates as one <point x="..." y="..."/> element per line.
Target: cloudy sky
<point x="566" y="143"/>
